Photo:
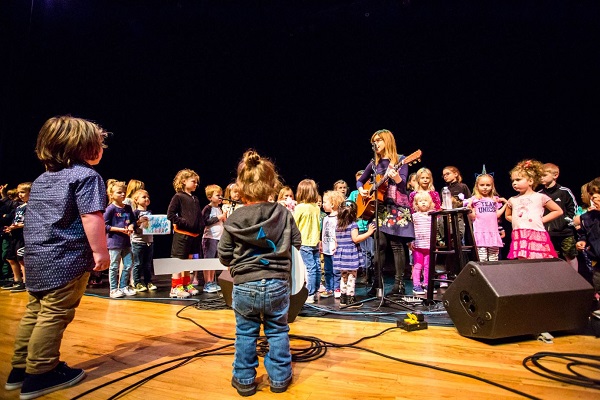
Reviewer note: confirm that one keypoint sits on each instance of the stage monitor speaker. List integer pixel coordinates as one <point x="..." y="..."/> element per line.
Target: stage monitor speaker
<point x="296" y="300"/>
<point x="498" y="299"/>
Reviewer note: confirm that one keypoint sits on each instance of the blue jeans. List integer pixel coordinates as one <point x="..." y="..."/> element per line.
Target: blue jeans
<point x="266" y="301"/>
<point x="116" y="255"/>
<point x="143" y="263"/>
<point x="332" y="276"/>
<point x="312" y="262"/>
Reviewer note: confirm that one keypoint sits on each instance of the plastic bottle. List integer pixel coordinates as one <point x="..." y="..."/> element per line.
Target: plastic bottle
<point x="446" y="198"/>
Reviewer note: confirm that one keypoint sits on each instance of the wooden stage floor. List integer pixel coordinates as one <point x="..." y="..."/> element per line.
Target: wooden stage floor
<point x="112" y="339"/>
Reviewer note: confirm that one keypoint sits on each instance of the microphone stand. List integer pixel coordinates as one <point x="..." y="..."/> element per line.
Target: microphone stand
<point x="379" y="291"/>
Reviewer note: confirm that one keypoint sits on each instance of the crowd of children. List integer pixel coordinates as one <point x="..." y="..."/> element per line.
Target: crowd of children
<point x="334" y="241"/>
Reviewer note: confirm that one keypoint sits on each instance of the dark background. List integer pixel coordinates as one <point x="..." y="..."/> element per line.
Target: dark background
<point x="192" y="84"/>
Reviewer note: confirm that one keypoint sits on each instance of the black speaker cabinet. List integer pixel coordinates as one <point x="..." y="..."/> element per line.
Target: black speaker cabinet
<point x="296" y="300"/>
<point x="491" y="300"/>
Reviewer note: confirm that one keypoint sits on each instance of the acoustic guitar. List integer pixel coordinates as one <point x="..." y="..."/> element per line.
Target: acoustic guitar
<point x="365" y="205"/>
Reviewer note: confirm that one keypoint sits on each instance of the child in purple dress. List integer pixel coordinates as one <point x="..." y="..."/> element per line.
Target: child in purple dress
<point x="347" y="258"/>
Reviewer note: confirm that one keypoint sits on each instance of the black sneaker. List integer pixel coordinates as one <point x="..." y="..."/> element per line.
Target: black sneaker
<point x="19" y="287"/>
<point x="352" y="302"/>
<point x="60" y="377"/>
<point x="243" y="390"/>
<point x="15" y="379"/>
<point x="9" y="286"/>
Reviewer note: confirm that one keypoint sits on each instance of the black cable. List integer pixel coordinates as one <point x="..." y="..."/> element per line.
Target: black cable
<point x="570" y="362"/>
<point x="316" y="349"/>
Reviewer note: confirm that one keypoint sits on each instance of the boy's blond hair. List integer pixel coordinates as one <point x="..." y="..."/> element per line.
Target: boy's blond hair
<point x="212" y="189"/>
<point x="136" y="195"/>
<point x="180" y="178"/>
<point x="66" y="140"/>
<point x="335" y="198"/>
<point x="25" y="186"/>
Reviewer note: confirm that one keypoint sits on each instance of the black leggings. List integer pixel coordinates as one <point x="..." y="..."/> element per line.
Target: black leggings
<point x="397" y="244"/>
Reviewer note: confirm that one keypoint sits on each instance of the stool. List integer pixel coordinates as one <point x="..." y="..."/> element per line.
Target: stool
<point x="453" y="243"/>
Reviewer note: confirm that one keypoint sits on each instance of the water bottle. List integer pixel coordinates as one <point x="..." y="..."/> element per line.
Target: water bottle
<point x="446" y="198"/>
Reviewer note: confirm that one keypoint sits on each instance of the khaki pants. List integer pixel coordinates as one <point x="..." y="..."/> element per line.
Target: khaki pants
<point x="40" y="332"/>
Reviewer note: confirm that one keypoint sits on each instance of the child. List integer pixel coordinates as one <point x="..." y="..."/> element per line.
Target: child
<point x="132" y="186"/>
<point x="185" y="214"/>
<point x="213" y="218"/>
<point x="65" y="240"/>
<point x="454" y="181"/>
<point x="486" y="207"/>
<point x="306" y="215"/>
<point x="411" y="182"/>
<point x="561" y="230"/>
<point x="120" y="221"/>
<point x="341" y="186"/>
<point x="589" y="239"/>
<point x="424" y="179"/>
<point x="331" y="201"/>
<point x="460" y="192"/>
<point x="367" y="246"/>
<point x="422" y="204"/>
<point x="232" y="199"/>
<point x="525" y="211"/>
<point x="286" y="198"/>
<point x="347" y="258"/>
<point x="256" y="245"/>
<point x="16" y="243"/>
<point x="142" y="245"/>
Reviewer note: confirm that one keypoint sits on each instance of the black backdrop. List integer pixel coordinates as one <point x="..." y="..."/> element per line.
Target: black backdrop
<point x="192" y="84"/>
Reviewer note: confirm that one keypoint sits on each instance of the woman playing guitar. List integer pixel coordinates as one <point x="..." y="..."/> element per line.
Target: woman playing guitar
<point x="394" y="217"/>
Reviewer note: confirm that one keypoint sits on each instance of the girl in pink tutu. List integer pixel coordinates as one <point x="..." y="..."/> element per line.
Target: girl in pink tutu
<point x="526" y="213"/>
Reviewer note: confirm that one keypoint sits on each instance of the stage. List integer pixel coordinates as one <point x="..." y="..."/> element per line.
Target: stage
<point x="117" y="341"/>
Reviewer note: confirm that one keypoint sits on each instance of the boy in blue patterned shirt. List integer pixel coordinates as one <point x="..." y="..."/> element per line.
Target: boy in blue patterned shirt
<point x="64" y="241"/>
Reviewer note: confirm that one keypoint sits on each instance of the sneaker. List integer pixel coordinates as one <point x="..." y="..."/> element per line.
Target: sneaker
<point x="418" y="289"/>
<point x="210" y="287"/>
<point x="10" y="285"/>
<point x="595" y="314"/>
<point x="140" y="288"/>
<point x="128" y="291"/>
<point x="322" y="288"/>
<point x="116" y="293"/>
<point x="179" y="292"/>
<point x="343" y="299"/>
<point x="60" y="377"/>
<point x="15" y="379"/>
<point x="327" y="293"/>
<point x="192" y="290"/>
<point x="337" y="294"/>
<point x="310" y="299"/>
<point x="152" y="287"/>
<point x="351" y="301"/>
<point x="425" y="288"/>
<point x="217" y="286"/>
<point x="244" y="390"/>
<point x="19" y="287"/>
<point x="195" y="282"/>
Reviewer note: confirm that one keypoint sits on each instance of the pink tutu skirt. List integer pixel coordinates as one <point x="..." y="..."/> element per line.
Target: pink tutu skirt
<point x="527" y="243"/>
